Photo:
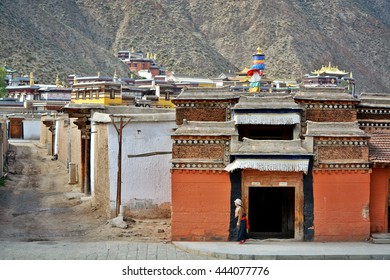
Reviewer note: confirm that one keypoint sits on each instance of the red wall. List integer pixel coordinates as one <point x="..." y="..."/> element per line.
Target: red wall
<point x="378" y="199"/>
<point x="200" y="205"/>
<point x="341" y="205"/>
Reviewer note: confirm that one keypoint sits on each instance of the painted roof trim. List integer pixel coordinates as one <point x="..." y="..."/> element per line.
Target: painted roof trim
<point x="267" y="118"/>
<point x="285" y="165"/>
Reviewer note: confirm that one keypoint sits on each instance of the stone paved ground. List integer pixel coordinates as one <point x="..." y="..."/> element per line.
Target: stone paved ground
<point x="109" y="250"/>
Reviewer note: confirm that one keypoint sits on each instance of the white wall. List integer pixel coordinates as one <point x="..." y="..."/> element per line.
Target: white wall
<point x="32" y="129"/>
<point x="146" y="181"/>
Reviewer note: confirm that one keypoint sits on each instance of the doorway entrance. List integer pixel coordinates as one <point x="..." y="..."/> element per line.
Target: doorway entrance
<point x="16" y="128"/>
<point x="271" y="212"/>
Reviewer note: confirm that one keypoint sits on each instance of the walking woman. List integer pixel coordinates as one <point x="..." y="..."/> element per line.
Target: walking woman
<point x="242" y="223"/>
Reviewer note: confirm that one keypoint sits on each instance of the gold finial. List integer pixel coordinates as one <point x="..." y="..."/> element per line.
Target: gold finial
<point x="74" y="79"/>
<point x="132" y="49"/>
<point x="155" y="56"/>
<point x="258" y="50"/>
<point x="98" y="74"/>
<point x="115" y="75"/>
<point x="350" y="75"/>
<point x="31" y="79"/>
<point x="58" y="81"/>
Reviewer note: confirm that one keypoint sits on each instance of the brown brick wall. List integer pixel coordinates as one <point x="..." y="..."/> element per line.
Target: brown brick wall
<point x="198" y="151"/>
<point x="200" y="114"/>
<point x="342" y="153"/>
<point x="367" y="116"/>
<point x="331" y="115"/>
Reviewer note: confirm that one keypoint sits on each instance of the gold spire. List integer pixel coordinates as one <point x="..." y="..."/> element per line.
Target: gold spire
<point x="258" y="50"/>
<point x="98" y="74"/>
<point x="332" y="70"/>
<point x="155" y="56"/>
<point x="115" y="75"/>
<point x="350" y="75"/>
<point x="132" y="49"/>
<point x="31" y="79"/>
<point x="58" y="81"/>
<point x="74" y="79"/>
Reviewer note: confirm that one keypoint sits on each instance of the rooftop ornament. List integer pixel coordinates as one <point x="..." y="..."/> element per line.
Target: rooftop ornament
<point x="329" y="70"/>
<point x="256" y="71"/>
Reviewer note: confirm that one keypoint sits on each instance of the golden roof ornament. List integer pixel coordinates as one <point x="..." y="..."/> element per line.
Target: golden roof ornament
<point x="258" y="50"/>
<point x="31" y="79"/>
<point x="58" y="82"/>
<point x="74" y="79"/>
<point x="329" y="70"/>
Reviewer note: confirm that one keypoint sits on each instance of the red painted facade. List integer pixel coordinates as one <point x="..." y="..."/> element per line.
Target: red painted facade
<point x="200" y="205"/>
<point x="341" y="205"/>
<point x="342" y="196"/>
<point x="378" y="200"/>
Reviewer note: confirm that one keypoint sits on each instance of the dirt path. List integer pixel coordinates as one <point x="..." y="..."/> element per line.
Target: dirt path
<point x="37" y="204"/>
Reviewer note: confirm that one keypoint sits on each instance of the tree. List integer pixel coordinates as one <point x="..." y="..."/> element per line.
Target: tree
<point x="3" y="84"/>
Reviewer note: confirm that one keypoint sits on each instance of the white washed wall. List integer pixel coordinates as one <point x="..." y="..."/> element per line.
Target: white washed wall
<point x="146" y="181"/>
<point x="31" y="129"/>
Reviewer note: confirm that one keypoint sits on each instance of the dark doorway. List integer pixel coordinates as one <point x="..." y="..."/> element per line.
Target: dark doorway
<point x="271" y="212"/>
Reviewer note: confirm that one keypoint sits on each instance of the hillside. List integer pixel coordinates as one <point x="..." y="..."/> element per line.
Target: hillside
<point x="199" y="37"/>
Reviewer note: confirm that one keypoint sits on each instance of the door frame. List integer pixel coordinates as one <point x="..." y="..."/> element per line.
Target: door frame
<point x="266" y="179"/>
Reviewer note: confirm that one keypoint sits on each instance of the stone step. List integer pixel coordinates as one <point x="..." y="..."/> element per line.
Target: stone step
<point x="380" y="241"/>
<point x="380" y="238"/>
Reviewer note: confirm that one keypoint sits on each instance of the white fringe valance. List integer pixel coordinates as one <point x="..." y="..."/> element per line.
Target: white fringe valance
<point x="287" y="165"/>
<point x="267" y="118"/>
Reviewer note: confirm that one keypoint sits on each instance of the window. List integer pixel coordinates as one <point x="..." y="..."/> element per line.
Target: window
<point x="112" y="94"/>
<point x="266" y="132"/>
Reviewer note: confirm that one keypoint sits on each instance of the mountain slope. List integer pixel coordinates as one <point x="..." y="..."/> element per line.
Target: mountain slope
<point x="199" y="37"/>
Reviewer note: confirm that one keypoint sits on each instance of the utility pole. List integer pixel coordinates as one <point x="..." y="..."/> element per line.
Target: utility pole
<point x="119" y="130"/>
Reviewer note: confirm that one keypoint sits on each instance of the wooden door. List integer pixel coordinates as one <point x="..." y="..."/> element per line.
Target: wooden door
<point x="16" y="128"/>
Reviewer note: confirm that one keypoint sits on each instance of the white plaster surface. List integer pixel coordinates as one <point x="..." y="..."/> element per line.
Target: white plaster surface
<point x="146" y="181"/>
<point x="31" y="129"/>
